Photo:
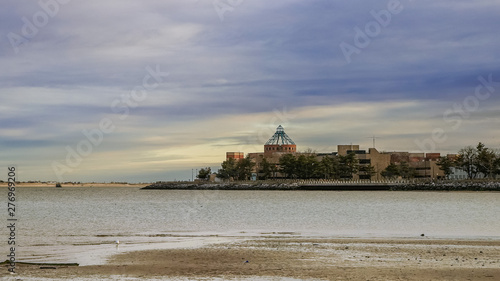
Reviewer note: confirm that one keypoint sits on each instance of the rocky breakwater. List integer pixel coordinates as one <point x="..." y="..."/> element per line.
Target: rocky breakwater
<point x="223" y="186"/>
<point x="449" y="186"/>
<point x="466" y="185"/>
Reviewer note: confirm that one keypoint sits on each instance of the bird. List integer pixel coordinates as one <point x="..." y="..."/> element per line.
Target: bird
<point x="117" y="242"/>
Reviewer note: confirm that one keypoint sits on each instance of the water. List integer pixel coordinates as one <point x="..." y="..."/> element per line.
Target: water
<point x="81" y="224"/>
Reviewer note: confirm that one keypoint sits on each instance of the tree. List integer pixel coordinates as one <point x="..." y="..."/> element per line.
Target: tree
<point x="348" y="165"/>
<point x="445" y="164"/>
<point x="478" y="160"/>
<point x="309" y="152"/>
<point x="306" y="166"/>
<point x="204" y="173"/>
<point x="367" y="171"/>
<point x="301" y="166"/>
<point x="288" y="165"/>
<point x="328" y="167"/>
<point x="496" y="164"/>
<point x="228" y="169"/>
<point x="391" y="171"/>
<point x="486" y="161"/>
<point x="405" y="171"/>
<point x="466" y="160"/>
<point x="244" y="168"/>
<point x="266" y="169"/>
<point x="238" y="170"/>
<point x="274" y="170"/>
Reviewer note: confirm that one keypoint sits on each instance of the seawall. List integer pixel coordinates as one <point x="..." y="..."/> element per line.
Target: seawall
<point x="319" y="185"/>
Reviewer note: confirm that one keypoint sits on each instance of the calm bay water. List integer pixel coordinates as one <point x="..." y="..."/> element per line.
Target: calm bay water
<point x="81" y="224"/>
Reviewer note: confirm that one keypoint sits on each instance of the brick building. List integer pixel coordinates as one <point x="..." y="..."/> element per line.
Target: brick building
<point x="280" y="144"/>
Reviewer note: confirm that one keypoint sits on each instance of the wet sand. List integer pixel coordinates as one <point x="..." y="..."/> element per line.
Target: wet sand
<point x="300" y="258"/>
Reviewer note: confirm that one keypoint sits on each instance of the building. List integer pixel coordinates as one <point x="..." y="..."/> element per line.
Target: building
<point x="235" y="155"/>
<point x="379" y="161"/>
<point x="278" y="145"/>
<point x="280" y="142"/>
<point x="424" y="165"/>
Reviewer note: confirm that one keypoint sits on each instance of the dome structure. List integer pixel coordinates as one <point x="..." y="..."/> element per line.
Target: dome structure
<point x="279" y="142"/>
<point x="280" y="137"/>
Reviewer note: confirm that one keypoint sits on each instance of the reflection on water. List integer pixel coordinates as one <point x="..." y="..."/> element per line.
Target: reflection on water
<point x="56" y="223"/>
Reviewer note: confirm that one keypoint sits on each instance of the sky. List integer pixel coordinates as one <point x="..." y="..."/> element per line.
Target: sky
<point x="143" y="91"/>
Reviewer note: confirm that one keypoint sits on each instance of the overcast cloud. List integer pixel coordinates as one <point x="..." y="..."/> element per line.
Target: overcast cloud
<point x="236" y="72"/>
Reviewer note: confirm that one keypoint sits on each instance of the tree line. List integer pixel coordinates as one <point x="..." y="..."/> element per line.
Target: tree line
<point x="303" y="166"/>
<point x="329" y="167"/>
<point x="236" y="169"/>
<point x="474" y="161"/>
<point x="403" y="170"/>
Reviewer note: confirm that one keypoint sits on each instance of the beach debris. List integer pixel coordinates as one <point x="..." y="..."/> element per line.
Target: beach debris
<point x="47" y="267"/>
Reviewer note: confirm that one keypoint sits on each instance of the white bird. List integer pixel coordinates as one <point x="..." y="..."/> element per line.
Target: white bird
<point x="117" y="242"/>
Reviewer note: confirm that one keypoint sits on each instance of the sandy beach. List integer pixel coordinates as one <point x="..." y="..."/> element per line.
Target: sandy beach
<point x="86" y="184"/>
<point x="298" y="258"/>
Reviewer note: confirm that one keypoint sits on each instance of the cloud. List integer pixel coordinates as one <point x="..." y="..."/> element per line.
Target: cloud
<point x="230" y="81"/>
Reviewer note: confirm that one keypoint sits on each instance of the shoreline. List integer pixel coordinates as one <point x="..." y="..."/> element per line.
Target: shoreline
<point x="328" y="185"/>
<point x="290" y="185"/>
<point x="301" y="258"/>
<point x="69" y="185"/>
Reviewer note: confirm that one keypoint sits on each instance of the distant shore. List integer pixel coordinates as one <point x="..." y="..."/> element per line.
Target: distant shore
<point x="328" y="185"/>
<point x="53" y="184"/>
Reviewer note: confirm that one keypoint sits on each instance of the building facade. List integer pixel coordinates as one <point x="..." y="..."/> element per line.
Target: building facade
<point x="424" y="165"/>
<point x="280" y="142"/>
<point x="235" y="155"/>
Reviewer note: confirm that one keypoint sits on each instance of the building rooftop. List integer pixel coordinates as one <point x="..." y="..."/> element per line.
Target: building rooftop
<point x="280" y="137"/>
